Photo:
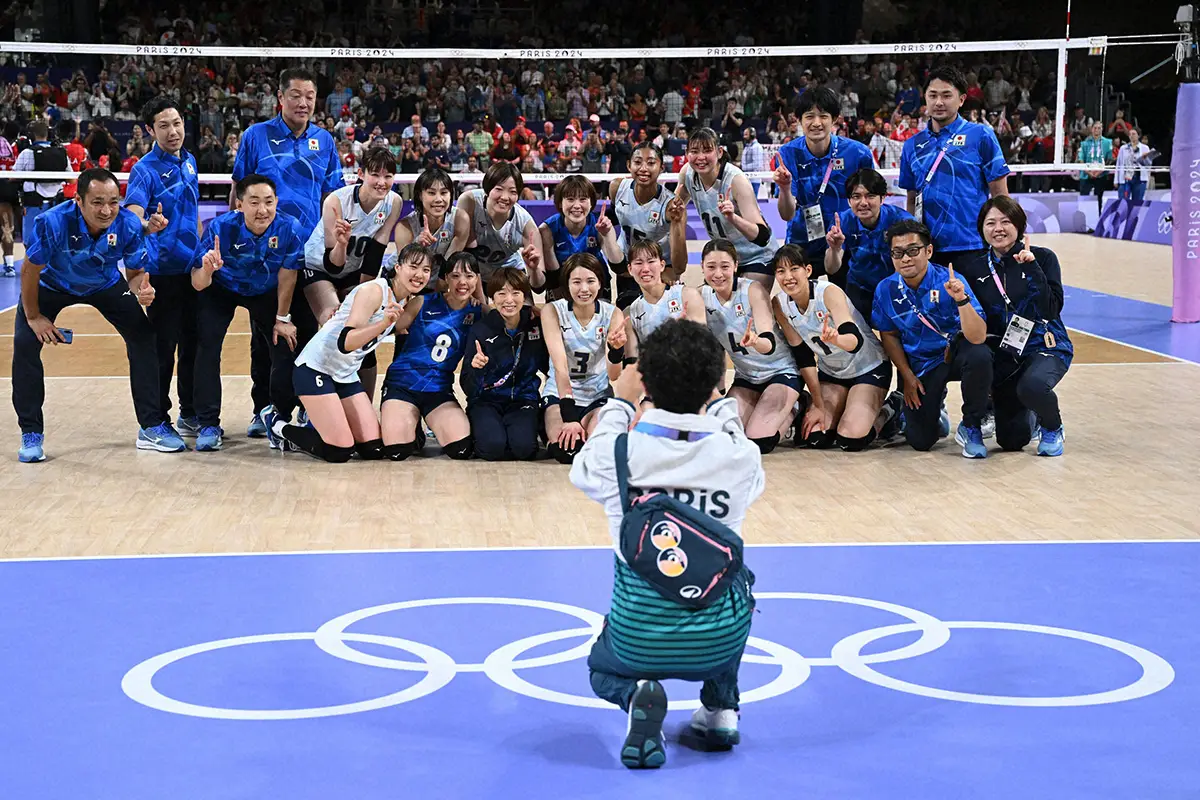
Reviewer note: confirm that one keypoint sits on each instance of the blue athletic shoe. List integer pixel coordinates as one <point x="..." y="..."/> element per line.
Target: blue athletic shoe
<point x="944" y="424"/>
<point x="1052" y="442"/>
<point x="161" y="437"/>
<point x="643" y="748"/>
<point x="971" y="440"/>
<point x="188" y="426"/>
<point x="209" y="439"/>
<point x="256" y="429"/>
<point x="269" y="418"/>
<point x="31" y="448"/>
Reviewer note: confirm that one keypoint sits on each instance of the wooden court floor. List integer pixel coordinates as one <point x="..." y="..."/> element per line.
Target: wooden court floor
<point x="1131" y="470"/>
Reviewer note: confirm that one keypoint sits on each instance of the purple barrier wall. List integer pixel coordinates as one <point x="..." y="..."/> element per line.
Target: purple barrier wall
<point x="1148" y="221"/>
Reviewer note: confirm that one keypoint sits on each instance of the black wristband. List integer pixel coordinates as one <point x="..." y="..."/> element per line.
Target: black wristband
<point x="965" y="301"/>
<point x="803" y="355"/>
<point x="566" y="407"/>
<point x="629" y="361"/>
<point x="616" y="354"/>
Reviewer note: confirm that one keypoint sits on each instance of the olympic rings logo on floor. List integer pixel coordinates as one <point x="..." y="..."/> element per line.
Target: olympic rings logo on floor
<point x="502" y="664"/>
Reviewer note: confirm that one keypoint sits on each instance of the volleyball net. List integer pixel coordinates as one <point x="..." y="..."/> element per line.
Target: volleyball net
<point x="1046" y="80"/>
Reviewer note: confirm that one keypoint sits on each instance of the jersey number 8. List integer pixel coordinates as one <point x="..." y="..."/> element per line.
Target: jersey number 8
<point x="441" y="348"/>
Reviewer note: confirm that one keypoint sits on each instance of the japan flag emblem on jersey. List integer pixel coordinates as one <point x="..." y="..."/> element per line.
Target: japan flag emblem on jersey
<point x="820" y="316"/>
<point x="314" y="144"/>
<point x="673" y="306"/>
<point x="959" y="140"/>
<point x="191" y="170"/>
<point x="379" y="217"/>
<point x="273" y="243"/>
<point x="839" y="163"/>
<point x="600" y="332"/>
<point x="737" y="309"/>
<point x="934" y="295"/>
<point x="654" y="217"/>
<point x="112" y="240"/>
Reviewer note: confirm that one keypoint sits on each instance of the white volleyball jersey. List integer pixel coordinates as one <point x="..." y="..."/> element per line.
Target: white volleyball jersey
<point x="647" y="316"/>
<point x="707" y="201"/>
<point x="587" y="353"/>
<point x="638" y="222"/>
<point x="497" y="247"/>
<point x="728" y="323"/>
<point x="364" y="226"/>
<point x="444" y="234"/>
<point x="833" y="361"/>
<point x="322" y="353"/>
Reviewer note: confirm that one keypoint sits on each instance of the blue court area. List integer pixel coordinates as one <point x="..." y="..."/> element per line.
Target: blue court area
<point x="983" y="671"/>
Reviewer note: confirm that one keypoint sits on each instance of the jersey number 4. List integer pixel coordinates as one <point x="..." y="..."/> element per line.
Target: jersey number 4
<point x="735" y="345"/>
<point x="441" y="348"/>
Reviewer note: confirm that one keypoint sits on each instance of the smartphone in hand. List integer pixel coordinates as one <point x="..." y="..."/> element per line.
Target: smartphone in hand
<point x="67" y="335"/>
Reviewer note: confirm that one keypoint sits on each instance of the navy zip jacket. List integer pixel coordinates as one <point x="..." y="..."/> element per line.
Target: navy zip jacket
<point x="499" y="382"/>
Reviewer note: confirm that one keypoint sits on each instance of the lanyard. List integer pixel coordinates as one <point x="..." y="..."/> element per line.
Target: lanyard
<point x="993" y="262"/>
<point x="516" y="363"/>
<point x="912" y="301"/>
<point x="937" y="161"/>
<point x="828" y="171"/>
<point x="662" y="431"/>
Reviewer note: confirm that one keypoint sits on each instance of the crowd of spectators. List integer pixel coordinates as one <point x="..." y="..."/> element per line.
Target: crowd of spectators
<point x="560" y="116"/>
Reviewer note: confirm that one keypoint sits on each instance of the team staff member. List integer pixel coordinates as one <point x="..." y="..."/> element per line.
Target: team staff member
<point x="164" y="192"/>
<point x="1020" y="288"/>
<point x="71" y="258"/>
<point x="858" y="257"/>
<point x="812" y="175"/>
<point x="695" y="448"/>
<point x="301" y="158"/>
<point x="920" y="313"/>
<point x="505" y="352"/>
<point x="247" y="258"/>
<point x="951" y="168"/>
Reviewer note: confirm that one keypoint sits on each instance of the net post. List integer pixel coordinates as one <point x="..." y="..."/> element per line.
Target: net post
<point x="1060" y="117"/>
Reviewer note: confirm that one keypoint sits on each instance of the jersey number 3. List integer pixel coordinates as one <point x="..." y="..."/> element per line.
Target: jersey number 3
<point x="580" y="366"/>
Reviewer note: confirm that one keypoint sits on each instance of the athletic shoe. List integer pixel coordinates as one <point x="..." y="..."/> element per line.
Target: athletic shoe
<point x="1052" y="442"/>
<point x="9" y="272"/>
<point x="302" y="418"/>
<point x="893" y="413"/>
<point x="31" y="448"/>
<point x="944" y="424"/>
<point x="209" y="439"/>
<point x="643" y="748"/>
<point x="971" y="440"/>
<point x="256" y="429"/>
<point x="270" y="418"/>
<point x="988" y="428"/>
<point x="717" y="726"/>
<point x="162" y="437"/>
<point x="188" y="426"/>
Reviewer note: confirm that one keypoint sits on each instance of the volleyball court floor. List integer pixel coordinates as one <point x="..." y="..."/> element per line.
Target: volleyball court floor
<point x="427" y="635"/>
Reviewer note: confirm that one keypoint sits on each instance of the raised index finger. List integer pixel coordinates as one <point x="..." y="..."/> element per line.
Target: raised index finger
<point x="951" y="268"/>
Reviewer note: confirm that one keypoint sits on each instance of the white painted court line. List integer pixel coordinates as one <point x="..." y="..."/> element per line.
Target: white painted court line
<point x="1127" y="344"/>
<point x="581" y="547"/>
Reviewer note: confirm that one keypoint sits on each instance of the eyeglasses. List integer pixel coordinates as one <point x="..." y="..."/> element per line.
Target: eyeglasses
<point x="912" y="252"/>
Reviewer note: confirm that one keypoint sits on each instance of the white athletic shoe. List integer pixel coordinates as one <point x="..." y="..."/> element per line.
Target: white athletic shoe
<point x="989" y="426"/>
<point x="718" y="726"/>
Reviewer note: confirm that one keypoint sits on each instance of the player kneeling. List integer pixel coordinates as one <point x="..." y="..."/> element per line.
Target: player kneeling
<point x="681" y="601"/>
<point x="326" y="378"/>
<point x="853" y="373"/>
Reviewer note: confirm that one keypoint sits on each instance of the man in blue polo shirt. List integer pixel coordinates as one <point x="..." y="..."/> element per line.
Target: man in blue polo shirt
<point x="164" y="192"/>
<point x="858" y="247"/>
<point x="71" y="256"/>
<point x="812" y="174"/>
<point x="951" y="168"/>
<point x="247" y="258"/>
<point x="933" y="330"/>
<point x="301" y="158"/>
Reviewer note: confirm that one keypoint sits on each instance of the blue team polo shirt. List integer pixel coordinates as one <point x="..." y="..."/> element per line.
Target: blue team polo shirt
<point x="895" y="310"/>
<point x="866" y="255"/>
<point x="808" y="171"/>
<point x="252" y="263"/>
<point x="171" y="180"/>
<point x="304" y="167"/>
<point x="76" y="262"/>
<point x="958" y="189"/>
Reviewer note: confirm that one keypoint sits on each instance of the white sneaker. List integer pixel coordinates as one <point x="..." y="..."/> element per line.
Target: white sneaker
<point x="989" y="426"/>
<point x="718" y="726"/>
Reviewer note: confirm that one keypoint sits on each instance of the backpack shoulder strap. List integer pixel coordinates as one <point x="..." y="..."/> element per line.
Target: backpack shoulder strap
<point x="621" y="462"/>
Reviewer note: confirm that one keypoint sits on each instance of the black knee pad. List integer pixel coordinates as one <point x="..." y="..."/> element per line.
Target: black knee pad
<point x="460" y="450"/>
<point x="818" y="440"/>
<point x="369" y="361"/>
<point x="338" y="455"/>
<point x="370" y="451"/>
<point x="561" y="455"/>
<point x="767" y="443"/>
<point x="854" y="445"/>
<point x="399" y="452"/>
